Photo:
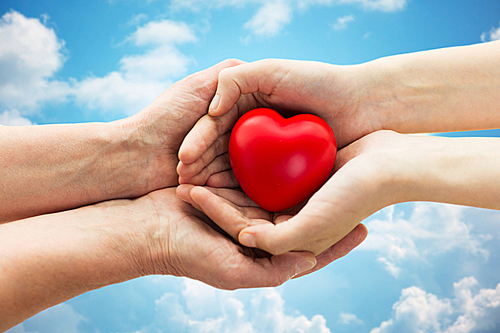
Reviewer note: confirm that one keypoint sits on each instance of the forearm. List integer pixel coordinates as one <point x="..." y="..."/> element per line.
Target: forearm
<point x="56" y="167"/>
<point x="450" y="89"/>
<point x="461" y="171"/>
<point x="49" y="259"/>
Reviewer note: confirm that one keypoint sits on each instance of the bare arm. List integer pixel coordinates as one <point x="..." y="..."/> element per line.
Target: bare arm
<point x="450" y="89"/>
<point x="380" y="169"/>
<point x="48" y="259"/>
<point x="54" y="167"/>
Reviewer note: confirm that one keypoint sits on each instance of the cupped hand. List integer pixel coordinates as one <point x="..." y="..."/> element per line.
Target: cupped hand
<point x="184" y="242"/>
<point x="366" y="179"/>
<point x="291" y="87"/>
<point x="234" y="211"/>
<point x="160" y="128"/>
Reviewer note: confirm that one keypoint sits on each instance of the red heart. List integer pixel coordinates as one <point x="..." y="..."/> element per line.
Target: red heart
<point x="278" y="162"/>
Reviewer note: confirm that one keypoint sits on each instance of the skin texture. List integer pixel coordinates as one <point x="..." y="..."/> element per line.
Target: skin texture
<point x="439" y="90"/>
<point x="55" y="167"/>
<point x="87" y="205"/>
<point x="50" y="258"/>
<point x="233" y="211"/>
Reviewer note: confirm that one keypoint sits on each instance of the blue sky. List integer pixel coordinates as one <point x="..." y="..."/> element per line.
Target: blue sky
<point x="424" y="267"/>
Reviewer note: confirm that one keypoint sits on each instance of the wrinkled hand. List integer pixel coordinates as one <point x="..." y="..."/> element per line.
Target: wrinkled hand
<point x="160" y="128"/>
<point x="183" y="243"/>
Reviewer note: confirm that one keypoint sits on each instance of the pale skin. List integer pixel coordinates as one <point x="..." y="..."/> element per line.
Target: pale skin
<point x="450" y="89"/>
<point x="100" y="208"/>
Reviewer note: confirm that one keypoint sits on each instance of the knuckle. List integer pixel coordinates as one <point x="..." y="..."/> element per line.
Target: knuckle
<point x="232" y="62"/>
<point x="224" y="74"/>
<point x="219" y="125"/>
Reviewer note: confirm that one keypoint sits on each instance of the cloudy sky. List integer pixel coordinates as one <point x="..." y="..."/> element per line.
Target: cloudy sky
<point x="424" y="267"/>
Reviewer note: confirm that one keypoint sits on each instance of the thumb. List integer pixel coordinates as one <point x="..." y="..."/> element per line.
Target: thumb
<point x="260" y="76"/>
<point x="283" y="237"/>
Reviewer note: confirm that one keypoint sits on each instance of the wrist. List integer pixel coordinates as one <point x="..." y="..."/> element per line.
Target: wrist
<point x="149" y="154"/>
<point x="381" y="94"/>
<point x="347" y="102"/>
<point x="60" y="167"/>
<point x="133" y="159"/>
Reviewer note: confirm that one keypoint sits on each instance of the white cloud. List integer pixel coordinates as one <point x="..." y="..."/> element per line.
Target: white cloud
<point x="430" y="230"/>
<point x="116" y="91"/>
<point x="30" y="55"/>
<point x="493" y="34"/>
<point x="165" y="32"/>
<point x="142" y="77"/>
<point x="206" y="309"/>
<point x="382" y="5"/>
<point x="390" y="266"/>
<point x="349" y="319"/>
<point x="469" y="311"/>
<point x="270" y="19"/>
<point x="342" y="22"/>
<point x="273" y="16"/>
<point x="138" y="19"/>
<point x="13" y="118"/>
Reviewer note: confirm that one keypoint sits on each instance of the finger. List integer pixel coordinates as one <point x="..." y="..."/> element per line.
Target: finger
<point x="219" y="147"/>
<point x="183" y="193"/>
<point x="340" y="249"/>
<point x="348" y="153"/>
<point x="241" y="80"/>
<point x="313" y="224"/>
<point x="225" y="214"/>
<point x="224" y="179"/>
<point x="237" y="197"/>
<point x="220" y="163"/>
<point x="282" y="218"/>
<point x="204" y="134"/>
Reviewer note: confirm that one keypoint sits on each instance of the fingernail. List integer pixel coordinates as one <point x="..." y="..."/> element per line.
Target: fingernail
<point x="247" y="239"/>
<point x="304" y="266"/>
<point x="215" y="103"/>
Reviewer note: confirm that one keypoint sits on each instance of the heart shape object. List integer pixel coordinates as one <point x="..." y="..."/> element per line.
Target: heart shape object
<point x="279" y="163"/>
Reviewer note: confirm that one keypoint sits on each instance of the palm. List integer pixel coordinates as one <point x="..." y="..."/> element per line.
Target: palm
<point x="190" y="246"/>
<point x="233" y="211"/>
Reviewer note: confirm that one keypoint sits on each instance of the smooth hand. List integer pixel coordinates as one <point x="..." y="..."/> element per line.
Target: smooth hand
<point x="291" y="87"/>
<point x="378" y="170"/>
<point x="449" y="89"/>
<point x="360" y="186"/>
<point x="234" y="211"/>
